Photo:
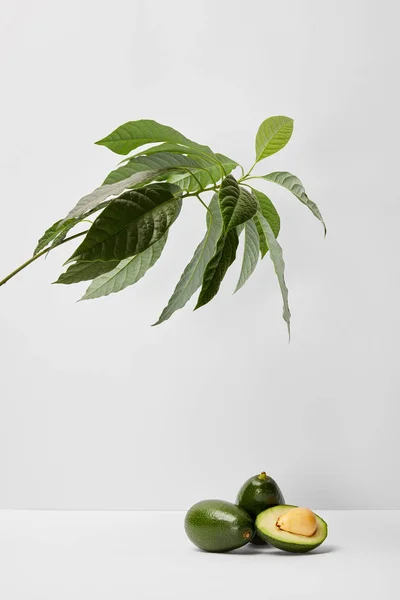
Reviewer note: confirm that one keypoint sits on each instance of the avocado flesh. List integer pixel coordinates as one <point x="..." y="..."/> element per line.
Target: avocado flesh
<point x="256" y="495"/>
<point x="218" y="526"/>
<point x="284" y="540"/>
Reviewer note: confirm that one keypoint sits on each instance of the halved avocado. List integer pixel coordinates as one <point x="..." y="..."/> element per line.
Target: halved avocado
<point x="267" y="529"/>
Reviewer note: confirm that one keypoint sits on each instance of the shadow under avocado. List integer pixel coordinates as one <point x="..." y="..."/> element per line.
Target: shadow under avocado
<point x="252" y="550"/>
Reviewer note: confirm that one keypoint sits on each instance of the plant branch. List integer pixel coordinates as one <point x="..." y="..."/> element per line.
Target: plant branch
<point x="31" y="260"/>
<point x="72" y="237"/>
<point x="212" y="188"/>
<point x="253" y="177"/>
<point x="247" y="174"/>
<point x="203" y="203"/>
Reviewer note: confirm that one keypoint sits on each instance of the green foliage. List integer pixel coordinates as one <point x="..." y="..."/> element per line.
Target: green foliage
<point x="276" y="255"/>
<point x="273" y="134"/>
<point x="131" y="223"/>
<point x="237" y="204"/>
<point x="192" y="277"/>
<point x="251" y="252"/>
<point x="224" y="256"/>
<point x="269" y="212"/>
<point x="190" y="174"/>
<point x="141" y="198"/>
<point x="50" y="234"/>
<point x="127" y="272"/>
<point x="294" y="185"/>
<point x="134" y="134"/>
<point x="85" y="270"/>
<point x="103" y="194"/>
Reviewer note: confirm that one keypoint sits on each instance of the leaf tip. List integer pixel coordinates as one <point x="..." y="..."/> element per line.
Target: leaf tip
<point x="159" y="320"/>
<point x="200" y="303"/>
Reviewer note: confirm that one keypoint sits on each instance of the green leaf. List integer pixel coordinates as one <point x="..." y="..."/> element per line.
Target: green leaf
<point x="272" y="135"/>
<point x="164" y="161"/>
<point x="209" y="173"/>
<point x="276" y="255"/>
<point x="128" y="272"/>
<point x="240" y="228"/>
<point x="103" y="193"/>
<point x="51" y="233"/>
<point x="261" y="237"/>
<point x="134" y="134"/>
<point x="60" y="237"/>
<point x="193" y="151"/>
<point x="227" y="162"/>
<point x="167" y="147"/>
<point x="84" y="270"/>
<point x="192" y="277"/>
<point x="237" y="204"/>
<point x="58" y="232"/>
<point x="225" y="165"/>
<point x="218" y="266"/>
<point x="250" y="253"/>
<point x="270" y="213"/>
<point x="191" y="175"/>
<point x="294" y="185"/>
<point x="131" y="223"/>
<point x="137" y="172"/>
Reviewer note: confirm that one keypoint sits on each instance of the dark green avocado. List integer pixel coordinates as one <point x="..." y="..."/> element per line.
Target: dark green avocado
<point x="256" y="495"/>
<point x="218" y="526"/>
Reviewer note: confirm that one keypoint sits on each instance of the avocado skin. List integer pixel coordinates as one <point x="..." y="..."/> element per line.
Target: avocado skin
<point x="293" y="548"/>
<point x="255" y="496"/>
<point x="218" y="526"/>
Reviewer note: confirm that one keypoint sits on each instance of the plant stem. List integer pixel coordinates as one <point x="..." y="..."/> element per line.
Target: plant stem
<point x="192" y="194"/>
<point x="38" y="255"/>
<point x="253" y="177"/>
<point x="203" y="203"/>
<point x="198" y="180"/>
<point x="247" y="174"/>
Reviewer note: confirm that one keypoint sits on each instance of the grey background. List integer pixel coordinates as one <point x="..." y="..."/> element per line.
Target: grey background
<point x="98" y="409"/>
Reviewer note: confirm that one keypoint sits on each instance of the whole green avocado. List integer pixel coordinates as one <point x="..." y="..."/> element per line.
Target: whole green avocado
<point x="256" y="495"/>
<point x="218" y="526"/>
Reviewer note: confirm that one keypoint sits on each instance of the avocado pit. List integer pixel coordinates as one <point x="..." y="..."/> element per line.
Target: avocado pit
<point x="299" y="521"/>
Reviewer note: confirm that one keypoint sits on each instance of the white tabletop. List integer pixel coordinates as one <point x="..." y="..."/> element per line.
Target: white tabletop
<point x="59" y="555"/>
